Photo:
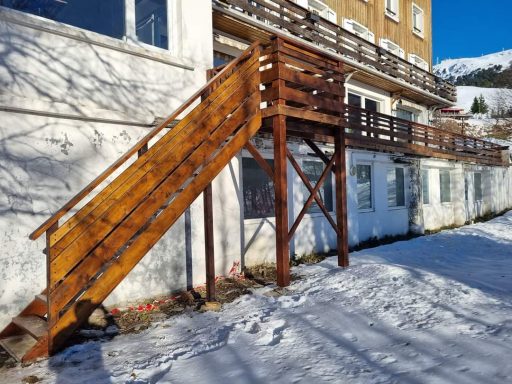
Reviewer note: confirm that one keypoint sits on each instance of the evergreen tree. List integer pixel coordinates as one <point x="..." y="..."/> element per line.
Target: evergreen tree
<point x="484" y="108"/>
<point x="475" y="108"/>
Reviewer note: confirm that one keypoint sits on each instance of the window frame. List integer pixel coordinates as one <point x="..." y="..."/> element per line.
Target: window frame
<point x="267" y="158"/>
<point x="447" y="172"/>
<point x="365" y="32"/>
<point x="393" y="14"/>
<point x="394" y="207"/>
<point x="392" y="47"/>
<point x="305" y="191"/>
<point x="480" y="187"/>
<point x="419" y="62"/>
<point x="372" y="183"/>
<point x="415" y="30"/>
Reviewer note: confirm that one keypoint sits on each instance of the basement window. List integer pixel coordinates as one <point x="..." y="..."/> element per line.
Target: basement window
<point x="477" y="180"/>
<point x="425" y="186"/>
<point x="396" y="188"/>
<point x="418" y="20"/>
<point x="364" y="187"/>
<point x="258" y="190"/>
<point x="104" y="17"/>
<point x="445" y="188"/>
<point x="313" y="170"/>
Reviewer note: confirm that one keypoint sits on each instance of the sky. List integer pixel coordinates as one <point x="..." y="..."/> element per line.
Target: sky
<point x="470" y="28"/>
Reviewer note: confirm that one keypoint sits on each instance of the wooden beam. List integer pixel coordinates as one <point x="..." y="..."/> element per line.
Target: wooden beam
<point x="319" y="153"/>
<point x="281" y="201"/>
<point x="341" y="198"/>
<point x="209" y="243"/>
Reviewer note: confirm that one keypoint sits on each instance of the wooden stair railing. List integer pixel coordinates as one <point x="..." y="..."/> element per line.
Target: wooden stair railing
<point x="95" y="248"/>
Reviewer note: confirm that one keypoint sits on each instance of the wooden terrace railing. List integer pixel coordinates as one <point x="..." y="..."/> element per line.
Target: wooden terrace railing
<point x="298" y="21"/>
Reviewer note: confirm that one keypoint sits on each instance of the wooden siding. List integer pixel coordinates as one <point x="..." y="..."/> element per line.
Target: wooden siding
<point x="371" y="14"/>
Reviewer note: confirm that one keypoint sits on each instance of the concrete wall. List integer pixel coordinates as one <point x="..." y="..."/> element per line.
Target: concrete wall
<point x="72" y="102"/>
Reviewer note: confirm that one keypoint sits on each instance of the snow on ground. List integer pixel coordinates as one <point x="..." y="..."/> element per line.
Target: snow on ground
<point x="436" y="309"/>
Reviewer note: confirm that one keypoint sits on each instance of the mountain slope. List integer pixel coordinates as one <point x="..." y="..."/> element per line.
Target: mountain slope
<point x="494" y="70"/>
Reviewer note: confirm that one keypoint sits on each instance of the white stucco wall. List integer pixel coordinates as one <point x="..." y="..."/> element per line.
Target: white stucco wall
<point x="72" y="102"/>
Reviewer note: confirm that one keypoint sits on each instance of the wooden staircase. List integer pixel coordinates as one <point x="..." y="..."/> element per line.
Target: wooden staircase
<point x="96" y="247"/>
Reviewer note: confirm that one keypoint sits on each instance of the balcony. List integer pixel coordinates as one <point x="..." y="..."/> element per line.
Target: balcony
<point x="260" y="19"/>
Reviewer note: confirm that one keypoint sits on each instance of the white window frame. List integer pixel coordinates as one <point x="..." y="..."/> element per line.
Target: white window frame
<point x="419" y="62"/>
<point x="481" y="186"/>
<point x="449" y="186"/>
<point x="359" y="30"/>
<point x="428" y="195"/>
<point x="419" y="31"/>
<point x="306" y="193"/>
<point x="393" y="11"/>
<point x="392" y="47"/>
<point x="372" y="188"/>
<point x="322" y="10"/>
<point x="393" y="207"/>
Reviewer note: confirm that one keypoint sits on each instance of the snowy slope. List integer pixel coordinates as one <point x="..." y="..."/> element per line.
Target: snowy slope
<point x="453" y="68"/>
<point x="466" y="95"/>
<point x="436" y="309"/>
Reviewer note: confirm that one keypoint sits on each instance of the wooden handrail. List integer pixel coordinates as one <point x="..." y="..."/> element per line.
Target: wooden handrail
<point x="141" y="144"/>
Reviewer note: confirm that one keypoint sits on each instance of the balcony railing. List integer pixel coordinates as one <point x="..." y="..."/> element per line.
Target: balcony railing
<point x="295" y="20"/>
<point x="373" y="130"/>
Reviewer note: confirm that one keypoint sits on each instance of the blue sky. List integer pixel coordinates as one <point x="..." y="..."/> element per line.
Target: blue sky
<point x="469" y="28"/>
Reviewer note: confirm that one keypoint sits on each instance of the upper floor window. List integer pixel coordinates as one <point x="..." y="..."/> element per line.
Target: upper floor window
<point x="137" y="20"/>
<point x="151" y="22"/>
<point x="392" y="9"/>
<point x="392" y="47"/>
<point x="418" y="20"/>
<point x="359" y="29"/>
<point x="104" y="17"/>
<point x="418" y="61"/>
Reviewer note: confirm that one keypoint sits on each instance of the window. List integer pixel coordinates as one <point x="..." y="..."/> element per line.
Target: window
<point x="478" y="186"/>
<point x="392" y="47"/>
<point x="220" y="58"/>
<point x="322" y="10"/>
<point x="392" y="9"/>
<point x="405" y="114"/>
<point x="396" y="189"/>
<point x="358" y="29"/>
<point x="258" y="190"/>
<point x="313" y="170"/>
<point x="105" y="17"/>
<point x="364" y="187"/>
<point x="418" y="61"/>
<point x="137" y="20"/>
<point x="417" y="20"/>
<point x="444" y="185"/>
<point x="363" y="102"/>
<point x="151" y="22"/>
<point x="425" y="187"/>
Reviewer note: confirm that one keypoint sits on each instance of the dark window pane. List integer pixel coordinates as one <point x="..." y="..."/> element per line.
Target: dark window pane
<point x="105" y="17"/>
<point x="151" y="22"/>
<point x="220" y="58"/>
<point x="354" y="100"/>
<point x="372" y="105"/>
<point x="258" y="190"/>
<point x="425" y="186"/>
<point x="444" y="182"/>
<point x="478" y="187"/>
<point x="313" y="170"/>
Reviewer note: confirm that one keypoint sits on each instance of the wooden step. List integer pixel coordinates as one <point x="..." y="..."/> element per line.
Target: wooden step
<point x="42" y="298"/>
<point x="18" y="346"/>
<point x="34" y="325"/>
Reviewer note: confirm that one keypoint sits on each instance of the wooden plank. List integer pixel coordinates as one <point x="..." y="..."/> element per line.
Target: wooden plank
<point x="302" y="114"/>
<point x="34" y="325"/>
<point x="18" y="346"/>
<point x="79" y="311"/>
<point x="209" y="243"/>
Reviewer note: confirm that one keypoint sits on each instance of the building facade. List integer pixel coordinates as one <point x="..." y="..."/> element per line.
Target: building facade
<point x="82" y="82"/>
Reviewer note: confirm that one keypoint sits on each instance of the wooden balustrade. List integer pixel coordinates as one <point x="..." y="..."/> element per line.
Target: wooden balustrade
<point x="295" y="20"/>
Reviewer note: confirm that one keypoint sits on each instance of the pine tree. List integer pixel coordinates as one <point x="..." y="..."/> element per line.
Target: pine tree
<point x="475" y="108"/>
<point x="484" y="108"/>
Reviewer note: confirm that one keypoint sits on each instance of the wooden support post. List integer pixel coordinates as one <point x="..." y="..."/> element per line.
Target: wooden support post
<point x="281" y="201"/>
<point x="208" y="243"/>
<point x="341" y="197"/>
